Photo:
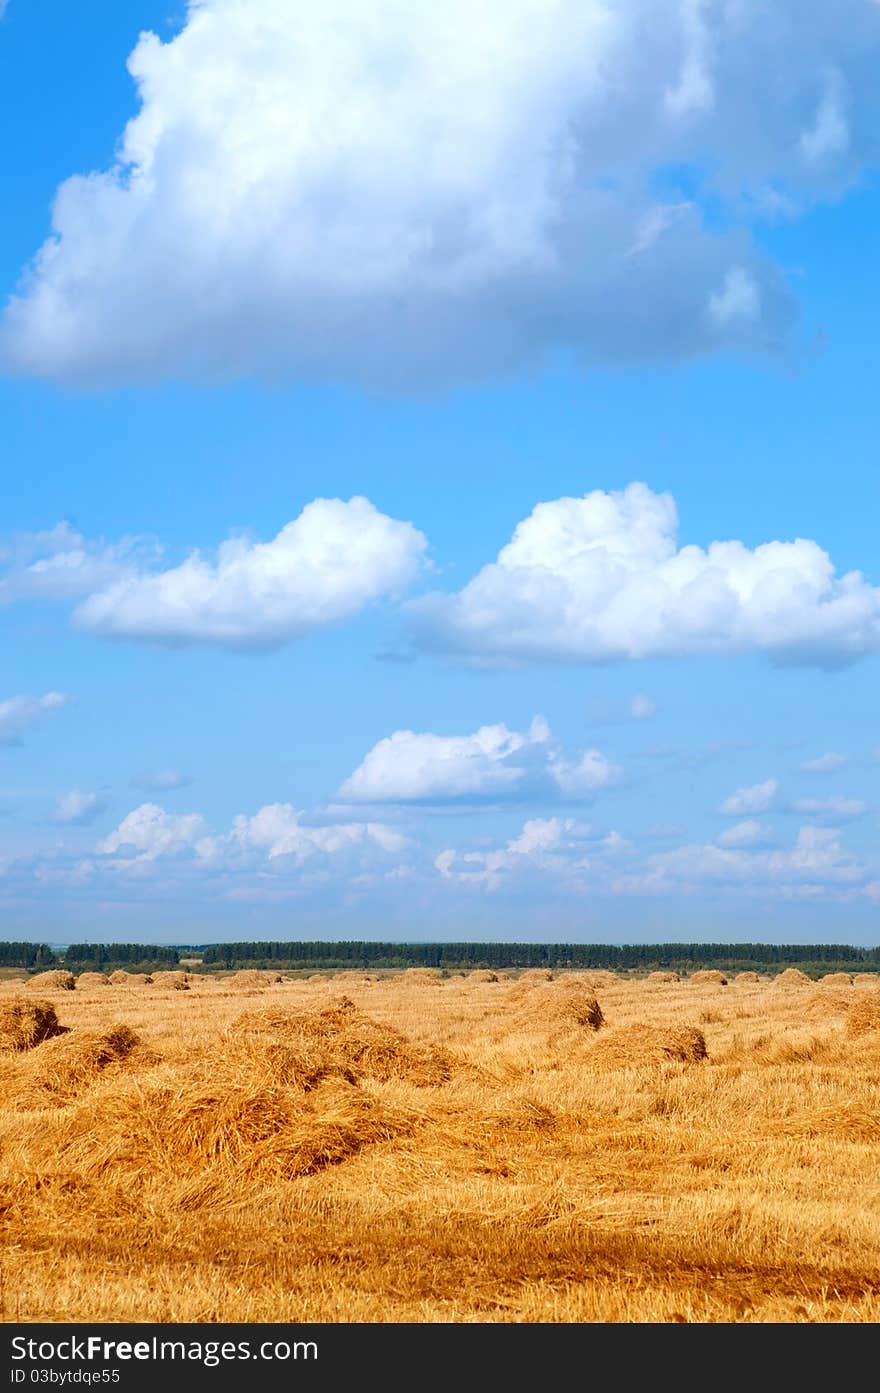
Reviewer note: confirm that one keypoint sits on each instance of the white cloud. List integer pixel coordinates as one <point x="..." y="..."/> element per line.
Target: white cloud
<point x="77" y="808"/>
<point x="602" y="577"/>
<point x="396" y="192"/>
<point x="324" y="566"/>
<point x="493" y="763"/>
<point x="162" y="780"/>
<point x="536" y="847"/>
<point x="748" y="833"/>
<point x="757" y="798"/>
<point x="19" y="713"/>
<point x="642" y="708"/>
<point x="830" y="809"/>
<point x="61" y="564"/>
<point x="828" y="763"/>
<point x="150" y="833"/>
<point x="275" y="838"/>
<point x="815" y="865"/>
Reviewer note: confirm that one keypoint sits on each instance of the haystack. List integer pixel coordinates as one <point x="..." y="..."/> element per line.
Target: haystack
<point x="253" y="977"/>
<point x="53" y="981"/>
<point x="863" y="1016"/>
<point x="60" y="1070"/>
<point x="561" y="1007"/>
<point x="209" y="1135"/>
<point x="121" y="978"/>
<point x="482" y="974"/>
<point x="746" y="977"/>
<point x="836" y="979"/>
<point x="708" y="977"/>
<point x="340" y="1039"/>
<point x="423" y="976"/>
<point x="179" y="981"/>
<point x="631" y="1046"/>
<point x="24" y="1024"/>
<point x="792" y="977"/>
<point x="535" y="974"/>
<point x="661" y="977"/>
<point x="91" y="979"/>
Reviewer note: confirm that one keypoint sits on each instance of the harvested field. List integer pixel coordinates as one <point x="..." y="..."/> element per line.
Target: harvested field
<point x="581" y="1149"/>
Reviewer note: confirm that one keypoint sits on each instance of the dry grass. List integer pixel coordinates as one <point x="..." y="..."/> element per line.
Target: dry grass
<point x="708" y="977"/>
<point x="121" y="978"/>
<point x="476" y="1153"/>
<point x="792" y="977"/>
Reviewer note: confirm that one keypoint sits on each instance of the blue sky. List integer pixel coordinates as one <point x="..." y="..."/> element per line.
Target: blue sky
<point x="428" y="261"/>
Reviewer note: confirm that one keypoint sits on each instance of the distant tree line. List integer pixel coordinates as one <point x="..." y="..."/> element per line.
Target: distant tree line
<point x="680" y="956"/>
<point x="105" y="957"/>
<point x="26" y="955"/>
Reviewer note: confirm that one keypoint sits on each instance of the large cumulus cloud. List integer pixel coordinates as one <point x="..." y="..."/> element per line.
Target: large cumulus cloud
<point x="405" y="194"/>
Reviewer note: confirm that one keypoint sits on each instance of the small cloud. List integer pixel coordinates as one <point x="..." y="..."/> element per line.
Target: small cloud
<point x="824" y="764"/>
<point x="830" y="809"/>
<point x="642" y="707"/>
<point x="18" y="713"/>
<point x="742" y="834"/>
<point x="163" y="779"/>
<point x="76" y="808"/>
<point x="757" y="798"/>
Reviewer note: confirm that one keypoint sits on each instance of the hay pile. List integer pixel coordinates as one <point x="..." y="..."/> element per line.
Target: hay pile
<point x="708" y="977"/>
<point x="661" y="977"/>
<point x="253" y="977"/>
<point x="561" y="1008"/>
<point x="179" y="981"/>
<point x="305" y="1047"/>
<point x="535" y="974"/>
<point x="745" y="977"/>
<point x="631" y="1046"/>
<point x="836" y="979"/>
<point x="863" y="1016"/>
<point x="63" y="1068"/>
<point x="792" y="977"/>
<point x="482" y="974"/>
<point x="423" y="976"/>
<point x="53" y="981"/>
<point x="207" y="1135"/>
<point x="24" y="1024"/>
<point x="121" y="978"/>
<point x="91" y="979"/>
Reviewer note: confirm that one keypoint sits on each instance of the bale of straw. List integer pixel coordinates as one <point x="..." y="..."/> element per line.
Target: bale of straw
<point x="53" y="981"/>
<point x="341" y="1039"/>
<point x="253" y="977"/>
<point x="536" y="974"/>
<point x="91" y="979"/>
<point x="746" y="977"/>
<point x="708" y="977"/>
<point x="863" y="1016"/>
<point x="792" y="977"/>
<point x="121" y="978"/>
<point x="632" y="1046"/>
<point x="482" y="974"/>
<point x="836" y="979"/>
<point x="661" y="977"/>
<point x="561" y="1007"/>
<point x="24" y="1024"/>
